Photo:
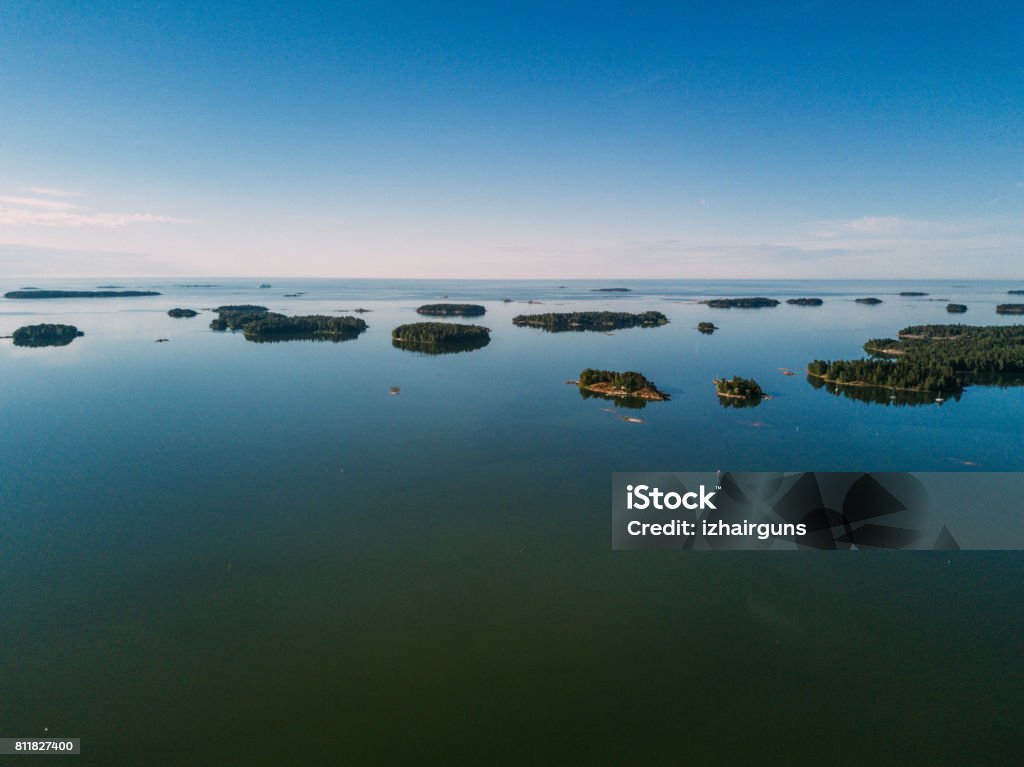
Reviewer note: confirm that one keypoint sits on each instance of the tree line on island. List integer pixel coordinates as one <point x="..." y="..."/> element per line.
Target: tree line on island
<point x="257" y="323"/>
<point x="45" y="335"/>
<point x="593" y="321"/>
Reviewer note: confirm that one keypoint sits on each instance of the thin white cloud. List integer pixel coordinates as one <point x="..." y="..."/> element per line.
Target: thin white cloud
<point x="37" y="211"/>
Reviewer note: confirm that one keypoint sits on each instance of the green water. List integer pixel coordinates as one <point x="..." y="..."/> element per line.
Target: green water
<point x="220" y="552"/>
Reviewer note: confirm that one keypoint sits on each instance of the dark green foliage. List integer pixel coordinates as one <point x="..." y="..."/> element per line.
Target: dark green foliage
<point x="79" y="293"/>
<point x="273" y="325"/>
<point x="452" y="310"/>
<point x="741" y="303"/>
<point x="236" y="316"/>
<point x="629" y="381"/>
<point x="46" y="335"/>
<point x="869" y="301"/>
<point x="1010" y="309"/>
<point x="182" y="313"/>
<point x="804" y="301"/>
<point x="932" y="357"/>
<point x="439" y="333"/>
<point x="739" y="388"/>
<point x="706" y="327"/>
<point x="956" y="308"/>
<point x="598" y="321"/>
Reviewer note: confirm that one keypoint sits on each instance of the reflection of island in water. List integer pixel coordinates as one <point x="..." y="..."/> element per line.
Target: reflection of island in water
<point x="280" y="338"/>
<point x="441" y="347"/>
<point x="879" y="395"/>
<point x="627" y="389"/>
<point x="631" y="403"/>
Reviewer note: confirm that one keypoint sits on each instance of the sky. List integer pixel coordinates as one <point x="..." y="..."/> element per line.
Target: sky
<point x="512" y="140"/>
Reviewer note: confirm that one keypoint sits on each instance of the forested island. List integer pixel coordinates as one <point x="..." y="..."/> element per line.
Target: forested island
<point x="756" y="302"/>
<point x="1016" y="292"/>
<point x="738" y="388"/>
<point x="182" y="313"/>
<point x="452" y="310"/>
<point x="259" y="324"/>
<point x="79" y="293"/>
<point x="870" y="301"/>
<point x="597" y="321"/>
<point x="930" y="358"/>
<point x="910" y="293"/>
<point x="46" y="335"/>
<point x="707" y="328"/>
<point x="956" y="308"/>
<point x="608" y="290"/>
<point x="1010" y="309"/>
<point x="440" y="337"/>
<point x="804" y="301"/>
<point x="616" y="385"/>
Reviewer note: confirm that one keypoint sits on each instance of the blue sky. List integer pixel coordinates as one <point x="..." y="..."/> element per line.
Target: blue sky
<point x="512" y="140"/>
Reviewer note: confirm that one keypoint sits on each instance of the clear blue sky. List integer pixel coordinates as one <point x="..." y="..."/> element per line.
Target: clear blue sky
<point x="524" y="140"/>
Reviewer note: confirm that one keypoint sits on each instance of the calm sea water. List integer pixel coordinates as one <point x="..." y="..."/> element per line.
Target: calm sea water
<point x="214" y="551"/>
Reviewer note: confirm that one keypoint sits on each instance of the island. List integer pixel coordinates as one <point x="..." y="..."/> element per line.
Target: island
<point x="1016" y="292"/>
<point x="1010" y="309"/>
<point x="756" y="302"/>
<point x="910" y="293"/>
<point x="870" y="301"/>
<point x="452" y="310"/>
<point x="804" y="301"/>
<point x="440" y="337"/>
<point x="931" y="358"/>
<point x="738" y="388"/>
<point x="593" y="321"/>
<point x="607" y="290"/>
<point x="707" y="327"/>
<point x="46" y="335"/>
<point x="182" y="313"/>
<point x="956" y="308"/>
<point x="79" y="293"/>
<point x="615" y="385"/>
<point x="259" y="324"/>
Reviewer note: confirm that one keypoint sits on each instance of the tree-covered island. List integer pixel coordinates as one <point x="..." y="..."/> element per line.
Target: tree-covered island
<point x="930" y="358"/>
<point x="79" y="293"/>
<point x="259" y="324"/>
<point x="45" y="335"/>
<point x="182" y="313"/>
<point x="608" y="290"/>
<point x="707" y="328"/>
<point x="912" y="293"/>
<point x="738" y="388"/>
<point x="440" y="337"/>
<point x="1010" y="309"/>
<point x="595" y="321"/>
<point x="452" y="310"/>
<point x="616" y="385"/>
<point x="869" y="301"/>
<point x="1015" y="292"/>
<point x="756" y="302"/>
<point x="804" y="301"/>
<point x="956" y="308"/>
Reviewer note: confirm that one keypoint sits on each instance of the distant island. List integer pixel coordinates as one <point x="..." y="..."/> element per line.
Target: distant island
<point x="871" y="301"/>
<point x="707" y="327"/>
<point x="199" y="285"/>
<point x="615" y="385"/>
<point x="594" y="321"/>
<point x="1010" y="309"/>
<point x="1016" y="292"/>
<point x="46" y="335"/>
<point x="79" y="293"/>
<point x="757" y="302"/>
<point x="930" y="358"/>
<point x="259" y="324"/>
<point x="452" y="310"/>
<point x="804" y="301"/>
<point x="956" y="308"/>
<point x="912" y="293"/>
<point x="182" y="313"/>
<point x="608" y="290"/>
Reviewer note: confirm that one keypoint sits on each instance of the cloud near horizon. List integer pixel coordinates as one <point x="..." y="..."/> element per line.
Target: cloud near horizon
<point x="43" y="211"/>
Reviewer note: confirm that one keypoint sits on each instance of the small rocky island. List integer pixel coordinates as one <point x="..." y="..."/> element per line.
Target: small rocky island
<point x="182" y="313"/>
<point x="804" y="301"/>
<point x="452" y="310"/>
<point x="595" y="321"/>
<point x="707" y="328"/>
<point x="739" y="388"/>
<point x="869" y="301"/>
<point x="615" y="385"/>
<point x="79" y="293"/>
<point x="46" y="335"/>
<point x="259" y="324"/>
<point x="1010" y="309"/>
<point x="440" y="337"/>
<point x="956" y="308"/>
<point x="756" y="302"/>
